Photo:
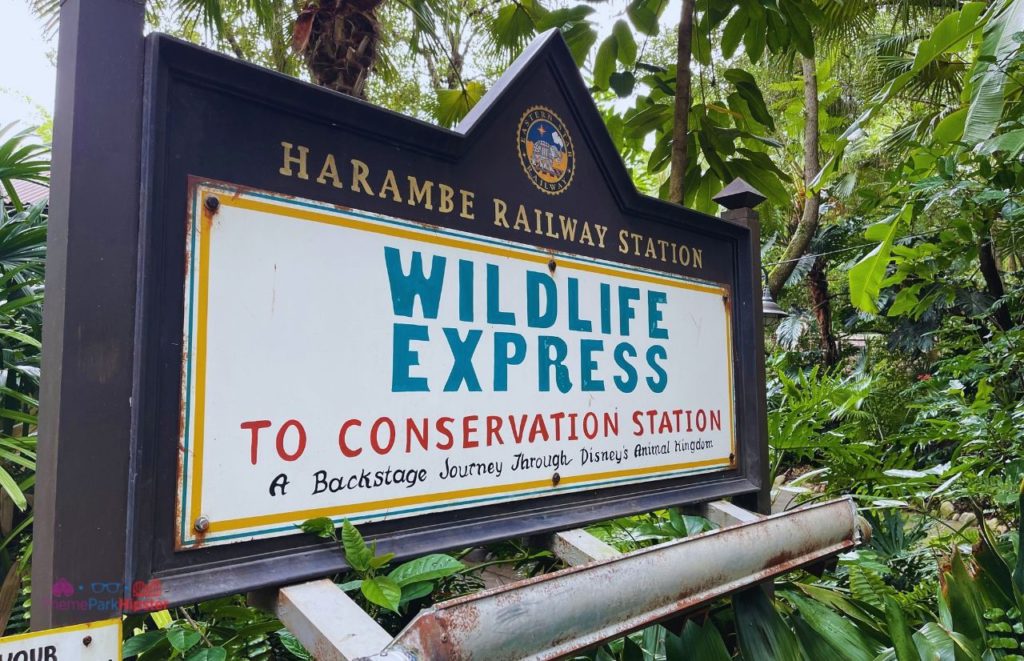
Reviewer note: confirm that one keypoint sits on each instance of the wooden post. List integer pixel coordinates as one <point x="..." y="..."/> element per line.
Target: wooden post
<point x="739" y="199"/>
<point x="89" y="313"/>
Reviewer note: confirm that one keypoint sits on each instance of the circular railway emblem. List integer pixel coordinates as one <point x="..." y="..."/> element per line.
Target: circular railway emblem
<point x="545" y="150"/>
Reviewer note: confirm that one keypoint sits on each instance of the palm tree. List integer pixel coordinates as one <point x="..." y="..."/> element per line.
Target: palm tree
<point x="339" y="40"/>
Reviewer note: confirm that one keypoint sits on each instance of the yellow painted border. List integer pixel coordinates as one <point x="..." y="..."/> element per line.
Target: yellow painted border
<point x="87" y="626"/>
<point x="338" y="220"/>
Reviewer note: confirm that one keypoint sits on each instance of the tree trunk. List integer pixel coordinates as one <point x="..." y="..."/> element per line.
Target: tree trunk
<point x="993" y="282"/>
<point x="817" y="284"/>
<point x="808" y="224"/>
<point x="681" y="114"/>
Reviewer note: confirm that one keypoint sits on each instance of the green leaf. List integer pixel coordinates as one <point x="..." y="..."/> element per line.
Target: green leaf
<point x="867" y="274"/>
<point x="839" y="632"/>
<point x="21" y="337"/>
<point x="951" y="127"/>
<point x="209" y="654"/>
<point x="182" y="639"/>
<point x="357" y="553"/>
<point x="382" y="591"/>
<point x="415" y="591"/>
<point x="292" y="645"/>
<point x="761" y="631"/>
<point x="733" y="32"/>
<point x="351" y="585"/>
<point x="988" y="80"/>
<point x="454" y="105"/>
<point x="702" y="642"/>
<point x="902" y="640"/>
<point x="644" y="15"/>
<point x="580" y="38"/>
<point x="626" y="51"/>
<point x="622" y="82"/>
<point x="10" y="485"/>
<point x="754" y="37"/>
<point x="321" y="527"/>
<point x="142" y="643"/>
<point x="631" y="651"/>
<point x="604" y="62"/>
<point x="380" y="560"/>
<point x="747" y="88"/>
<point x="427" y="568"/>
<point x="1011" y="142"/>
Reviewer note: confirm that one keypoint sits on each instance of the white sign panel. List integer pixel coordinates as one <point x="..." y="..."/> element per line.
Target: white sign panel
<point x="95" y="641"/>
<point x="344" y="364"/>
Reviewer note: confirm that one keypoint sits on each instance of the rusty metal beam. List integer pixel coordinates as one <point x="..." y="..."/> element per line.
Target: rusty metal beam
<point x="550" y="616"/>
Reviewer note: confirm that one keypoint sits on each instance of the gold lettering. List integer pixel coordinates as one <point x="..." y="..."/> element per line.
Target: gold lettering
<point x="467" y="205"/>
<point x="623" y="246"/>
<point x="650" y="250"/>
<point x="684" y="255"/>
<point x="636" y="242"/>
<point x="549" y="233"/>
<point x="536" y="214"/>
<point x="300" y="160"/>
<point x="329" y="171"/>
<point x="698" y="258"/>
<point x="601" y="230"/>
<point x="663" y="244"/>
<point x="585" y="234"/>
<point x="568" y="227"/>
<point x="521" y="219"/>
<point x="417" y="195"/>
<point x="447" y="202"/>
<point x="360" y="171"/>
<point x="390" y="184"/>
<point x="499" y="213"/>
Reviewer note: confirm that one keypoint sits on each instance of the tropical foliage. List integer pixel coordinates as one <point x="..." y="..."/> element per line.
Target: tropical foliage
<point x="888" y="137"/>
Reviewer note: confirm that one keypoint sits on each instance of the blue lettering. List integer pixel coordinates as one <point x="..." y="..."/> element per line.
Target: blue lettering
<point x="404" y="357"/>
<point x="462" y="368"/>
<point x="405" y="288"/>
<point x="502" y="359"/>
<point x="546" y="362"/>
<point x="659" y="384"/>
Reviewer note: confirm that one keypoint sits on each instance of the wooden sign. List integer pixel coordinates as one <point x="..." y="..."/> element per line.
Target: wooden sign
<point x="448" y="337"/>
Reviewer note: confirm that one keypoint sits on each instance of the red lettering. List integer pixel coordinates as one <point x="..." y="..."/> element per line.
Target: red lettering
<point x="374" y="440"/>
<point x="469" y="427"/>
<point x="538" y="428"/>
<point x="716" y="419"/>
<point x="639" y="425"/>
<point x="666" y="423"/>
<point x="345" y="449"/>
<point x="280" y="440"/>
<point x="590" y="420"/>
<point x="443" y="426"/>
<point x="254" y="426"/>
<point x="420" y="433"/>
<point x="517" y="432"/>
<point x="702" y="420"/>
<point x="494" y="429"/>
<point x="611" y="424"/>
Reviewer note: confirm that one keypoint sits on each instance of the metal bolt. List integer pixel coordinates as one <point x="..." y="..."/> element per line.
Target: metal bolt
<point x="555" y="479"/>
<point x="552" y="265"/>
<point x="87" y="641"/>
<point x="212" y="203"/>
<point x="732" y="457"/>
<point x="444" y="638"/>
<point x="202" y="524"/>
